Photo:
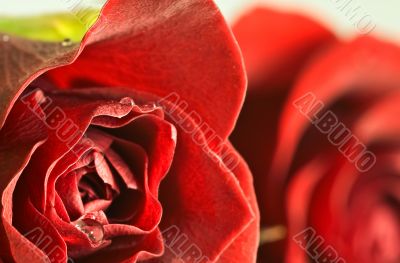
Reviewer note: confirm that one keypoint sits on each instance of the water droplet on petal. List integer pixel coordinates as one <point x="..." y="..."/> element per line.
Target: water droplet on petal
<point x="127" y="101"/>
<point x="66" y="43"/>
<point x="91" y="227"/>
<point x="5" y="38"/>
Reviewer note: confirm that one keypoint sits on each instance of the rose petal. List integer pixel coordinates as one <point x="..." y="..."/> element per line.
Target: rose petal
<point x="206" y="194"/>
<point x="80" y="112"/>
<point x="242" y="248"/>
<point x="370" y="71"/>
<point x="22" y="61"/>
<point x="132" y="47"/>
<point x="130" y="249"/>
<point x="276" y="45"/>
<point x="15" y="153"/>
<point x="377" y="66"/>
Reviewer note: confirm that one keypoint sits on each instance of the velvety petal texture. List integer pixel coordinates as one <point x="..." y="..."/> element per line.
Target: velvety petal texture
<point x="103" y="157"/>
<point x="164" y="53"/>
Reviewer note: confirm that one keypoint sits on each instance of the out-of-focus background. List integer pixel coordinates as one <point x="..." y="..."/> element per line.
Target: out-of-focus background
<point x="384" y="15"/>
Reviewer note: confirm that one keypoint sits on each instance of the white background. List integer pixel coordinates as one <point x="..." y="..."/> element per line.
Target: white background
<point x="384" y="14"/>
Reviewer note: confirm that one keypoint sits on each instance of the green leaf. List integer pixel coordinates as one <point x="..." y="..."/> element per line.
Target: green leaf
<point x="50" y="27"/>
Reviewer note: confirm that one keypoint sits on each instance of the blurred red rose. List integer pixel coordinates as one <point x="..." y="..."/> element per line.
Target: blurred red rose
<point x="106" y="145"/>
<point x="315" y="200"/>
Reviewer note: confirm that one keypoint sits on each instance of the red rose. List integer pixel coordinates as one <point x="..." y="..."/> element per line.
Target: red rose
<point x="320" y="132"/>
<point x="107" y="145"/>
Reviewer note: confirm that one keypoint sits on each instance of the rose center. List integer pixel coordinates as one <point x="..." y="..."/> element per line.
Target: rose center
<point x="101" y="180"/>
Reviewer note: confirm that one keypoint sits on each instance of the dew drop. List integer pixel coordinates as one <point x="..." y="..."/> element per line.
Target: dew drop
<point x="66" y="43"/>
<point x="127" y="101"/>
<point x="91" y="227"/>
<point x="5" y="38"/>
